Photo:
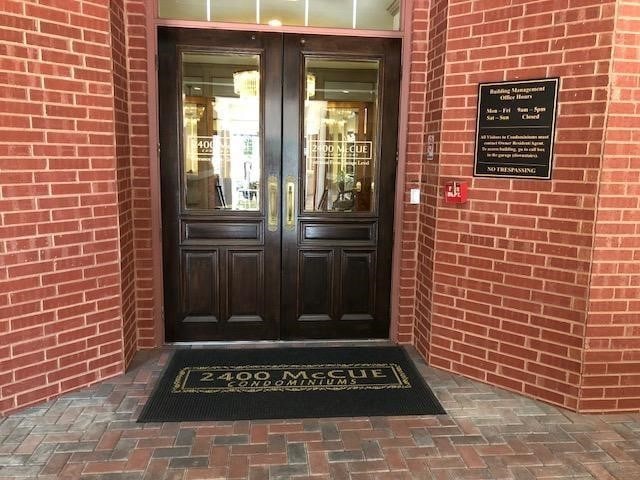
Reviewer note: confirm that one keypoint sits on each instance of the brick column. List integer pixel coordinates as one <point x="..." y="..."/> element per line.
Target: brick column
<point x="611" y="371"/>
<point x="430" y="58"/>
<point x="136" y="14"/>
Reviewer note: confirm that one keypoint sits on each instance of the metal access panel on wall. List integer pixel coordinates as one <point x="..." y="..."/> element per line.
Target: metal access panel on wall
<point x="516" y="128"/>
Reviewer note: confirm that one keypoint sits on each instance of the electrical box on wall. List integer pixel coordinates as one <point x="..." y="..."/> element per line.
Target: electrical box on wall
<point x="414" y="197"/>
<point x="455" y="192"/>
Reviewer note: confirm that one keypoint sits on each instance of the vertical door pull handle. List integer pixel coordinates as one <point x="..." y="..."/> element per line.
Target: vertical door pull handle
<point x="272" y="206"/>
<point x="291" y="203"/>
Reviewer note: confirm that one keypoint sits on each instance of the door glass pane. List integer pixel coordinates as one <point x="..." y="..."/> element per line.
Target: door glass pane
<point x="377" y="15"/>
<point x="230" y="11"/>
<point x="221" y="131"/>
<point x="340" y="133"/>
<point x="182" y="9"/>
<point x="331" y="13"/>
<point x="277" y="12"/>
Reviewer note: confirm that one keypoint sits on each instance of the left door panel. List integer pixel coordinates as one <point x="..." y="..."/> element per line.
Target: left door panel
<point x="220" y="170"/>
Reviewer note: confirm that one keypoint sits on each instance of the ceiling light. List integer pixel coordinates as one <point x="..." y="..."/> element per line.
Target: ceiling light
<point x="311" y="85"/>
<point x="247" y="83"/>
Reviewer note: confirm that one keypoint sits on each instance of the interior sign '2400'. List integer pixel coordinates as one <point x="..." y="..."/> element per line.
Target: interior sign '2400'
<point x="355" y="152"/>
<point x="274" y="378"/>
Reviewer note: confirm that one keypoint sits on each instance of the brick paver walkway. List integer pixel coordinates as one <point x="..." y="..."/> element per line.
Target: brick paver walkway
<point x="487" y="434"/>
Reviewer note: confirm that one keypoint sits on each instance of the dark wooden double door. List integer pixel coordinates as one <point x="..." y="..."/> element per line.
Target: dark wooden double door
<point x="278" y="156"/>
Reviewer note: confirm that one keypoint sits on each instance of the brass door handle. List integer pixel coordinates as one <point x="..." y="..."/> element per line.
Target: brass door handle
<point x="272" y="204"/>
<point x="290" y="221"/>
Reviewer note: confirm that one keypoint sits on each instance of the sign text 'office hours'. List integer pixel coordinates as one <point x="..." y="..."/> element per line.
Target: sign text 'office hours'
<point x="515" y="129"/>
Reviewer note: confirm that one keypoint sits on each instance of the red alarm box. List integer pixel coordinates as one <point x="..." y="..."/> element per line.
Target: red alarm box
<point x="455" y="192"/>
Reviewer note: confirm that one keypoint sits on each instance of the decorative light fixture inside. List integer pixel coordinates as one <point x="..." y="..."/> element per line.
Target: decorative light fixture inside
<point x="311" y="85"/>
<point x="246" y="83"/>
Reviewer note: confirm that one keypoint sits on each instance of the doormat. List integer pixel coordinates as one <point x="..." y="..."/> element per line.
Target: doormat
<point x="280" y="383"/>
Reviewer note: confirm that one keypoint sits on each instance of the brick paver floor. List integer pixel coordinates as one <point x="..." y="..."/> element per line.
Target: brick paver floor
<point x="487" y="434"/>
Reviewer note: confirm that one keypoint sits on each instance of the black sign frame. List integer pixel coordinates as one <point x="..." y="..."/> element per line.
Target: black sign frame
<point x="515" y="128"/>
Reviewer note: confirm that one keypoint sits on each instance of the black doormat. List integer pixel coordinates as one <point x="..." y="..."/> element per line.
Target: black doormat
<point x="270" y="383"/>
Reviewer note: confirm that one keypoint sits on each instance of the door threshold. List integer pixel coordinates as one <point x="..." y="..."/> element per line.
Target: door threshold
<point x="284" y="343"/>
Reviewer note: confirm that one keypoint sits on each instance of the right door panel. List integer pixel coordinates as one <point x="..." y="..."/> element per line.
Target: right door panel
<point x="340" y="110"/>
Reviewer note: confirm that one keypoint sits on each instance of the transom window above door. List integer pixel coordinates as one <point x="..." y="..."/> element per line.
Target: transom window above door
<point x="350" y="14"/>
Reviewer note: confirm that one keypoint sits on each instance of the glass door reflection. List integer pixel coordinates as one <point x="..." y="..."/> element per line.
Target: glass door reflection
<point x="221" y="131"/>
<point x="340" y="132"/>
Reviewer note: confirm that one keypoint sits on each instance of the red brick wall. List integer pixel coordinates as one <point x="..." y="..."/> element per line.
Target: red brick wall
<point x="136" y="15"/>
<point x="60" y="316"/>
<point x="123" y="171"/>
<point x="499" y="289"/>
<point x="511" y="266"/>
<point x="432" y="62"/>
<point x="413" y="157"/>
<point x="612" y="350"/>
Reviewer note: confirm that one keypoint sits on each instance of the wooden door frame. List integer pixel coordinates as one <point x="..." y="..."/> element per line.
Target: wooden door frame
<point x="157" y="335"/>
